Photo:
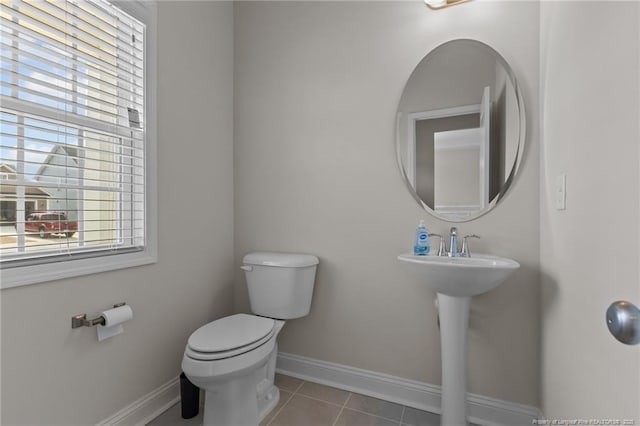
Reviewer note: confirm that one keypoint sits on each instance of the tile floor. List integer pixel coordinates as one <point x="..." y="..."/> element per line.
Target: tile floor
<point x="306" y="404"/>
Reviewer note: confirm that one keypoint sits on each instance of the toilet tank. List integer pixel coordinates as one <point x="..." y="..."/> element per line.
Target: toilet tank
<point x="280" y="284"/>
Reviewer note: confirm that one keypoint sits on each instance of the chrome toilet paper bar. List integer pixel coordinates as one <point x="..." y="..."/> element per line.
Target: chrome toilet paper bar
<point x="82" y="321"/>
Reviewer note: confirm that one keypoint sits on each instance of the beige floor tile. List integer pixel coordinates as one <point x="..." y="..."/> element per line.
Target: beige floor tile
<point x="415" y="417"/>
<point x="324" y="393"/>
<point x="355" y="418"/>
<point x="287" y="383"/>
<point x="302" y="411"/>
<point x="375" y="406"/>
<point x="284" y="397"/>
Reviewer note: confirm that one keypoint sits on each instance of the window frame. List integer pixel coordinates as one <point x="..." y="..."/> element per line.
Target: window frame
<point x="145" y="12"/>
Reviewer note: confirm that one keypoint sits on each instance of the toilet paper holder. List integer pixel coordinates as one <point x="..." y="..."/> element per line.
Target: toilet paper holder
<point x="82" y="321"/>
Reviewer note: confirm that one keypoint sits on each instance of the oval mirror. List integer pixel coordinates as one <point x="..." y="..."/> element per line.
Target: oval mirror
<point x="460" y="130"/>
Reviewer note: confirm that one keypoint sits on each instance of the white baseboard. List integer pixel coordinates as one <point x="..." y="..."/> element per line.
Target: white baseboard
<point x="147" y="408"/>
<point x="482" y="410"/>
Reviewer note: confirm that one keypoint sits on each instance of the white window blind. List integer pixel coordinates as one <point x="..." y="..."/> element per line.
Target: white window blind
<point x="72" y="129"/>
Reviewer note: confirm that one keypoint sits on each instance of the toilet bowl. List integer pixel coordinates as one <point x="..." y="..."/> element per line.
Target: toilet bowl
<point x="233" y="359"/>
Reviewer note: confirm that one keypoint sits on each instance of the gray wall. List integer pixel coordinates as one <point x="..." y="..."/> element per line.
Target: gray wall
<point x="589" y="257"/>
<point x="317" y="85"/>
<point x="52" y="375"/>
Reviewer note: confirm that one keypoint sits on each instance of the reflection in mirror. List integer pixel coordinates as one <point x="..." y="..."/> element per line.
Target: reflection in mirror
<point x="460" y="130"/>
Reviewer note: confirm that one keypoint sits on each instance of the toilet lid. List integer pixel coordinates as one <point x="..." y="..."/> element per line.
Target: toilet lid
<point x="229" y="333"/>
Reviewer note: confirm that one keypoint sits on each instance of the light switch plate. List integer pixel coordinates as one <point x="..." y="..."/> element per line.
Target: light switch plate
<point x="560" y="192"/>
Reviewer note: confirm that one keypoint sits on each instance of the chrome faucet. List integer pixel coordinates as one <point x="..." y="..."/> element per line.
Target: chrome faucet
<point x="442" y="251"/>
<point x="465" y="245"/>
<point x="453" y="243"/>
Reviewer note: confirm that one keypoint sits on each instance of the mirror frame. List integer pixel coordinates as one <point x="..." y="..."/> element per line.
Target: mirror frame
<point x="521" y="140"/>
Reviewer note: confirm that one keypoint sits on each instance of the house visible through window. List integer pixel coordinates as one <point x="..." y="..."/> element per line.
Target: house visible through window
<point x="73" y="131"/>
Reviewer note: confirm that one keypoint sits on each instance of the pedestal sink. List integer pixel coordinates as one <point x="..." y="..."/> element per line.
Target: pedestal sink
<point x="456" y="280"/>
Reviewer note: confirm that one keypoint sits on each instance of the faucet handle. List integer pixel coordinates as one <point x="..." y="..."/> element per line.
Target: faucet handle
<point x="465" y="245"/>
<point x="442" y="251"/>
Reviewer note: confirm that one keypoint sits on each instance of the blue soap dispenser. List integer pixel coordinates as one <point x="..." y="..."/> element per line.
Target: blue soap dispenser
<point x="421" y="246"/>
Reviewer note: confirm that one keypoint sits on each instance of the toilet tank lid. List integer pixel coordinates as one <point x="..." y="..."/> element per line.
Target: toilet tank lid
<point x="283" y="260"/>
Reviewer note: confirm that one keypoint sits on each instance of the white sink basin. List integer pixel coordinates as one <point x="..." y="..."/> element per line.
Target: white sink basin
<point x="461" y="276"/>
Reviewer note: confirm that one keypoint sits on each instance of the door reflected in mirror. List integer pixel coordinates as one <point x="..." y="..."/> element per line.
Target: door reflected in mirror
<point x="460" y="130"/>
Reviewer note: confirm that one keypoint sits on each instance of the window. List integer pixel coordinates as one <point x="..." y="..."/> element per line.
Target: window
<point x="76" y="138"/>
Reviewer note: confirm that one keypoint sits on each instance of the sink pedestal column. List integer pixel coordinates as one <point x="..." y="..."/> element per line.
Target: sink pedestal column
<point x="454" y="321"/>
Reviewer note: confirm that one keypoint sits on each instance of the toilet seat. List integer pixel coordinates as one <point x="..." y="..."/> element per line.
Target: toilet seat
<point x="229" y="337"/>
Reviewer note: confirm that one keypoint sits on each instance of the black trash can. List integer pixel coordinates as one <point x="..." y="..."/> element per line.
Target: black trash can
<point x="189" y="398"/>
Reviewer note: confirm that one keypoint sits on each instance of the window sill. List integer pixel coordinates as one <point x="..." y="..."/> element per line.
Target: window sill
<point x="35" y="274"/>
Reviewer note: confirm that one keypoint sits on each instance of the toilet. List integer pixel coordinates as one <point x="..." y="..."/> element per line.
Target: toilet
<point x="233" y="359"/>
